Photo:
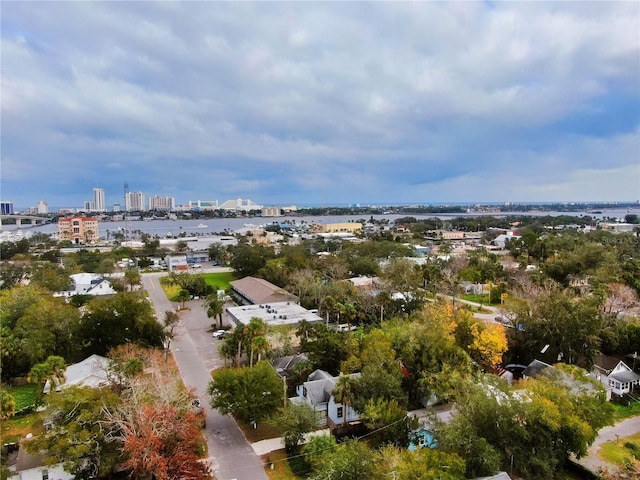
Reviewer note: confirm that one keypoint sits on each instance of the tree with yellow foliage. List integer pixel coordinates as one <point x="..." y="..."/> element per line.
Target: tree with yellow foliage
<point x="489" y="344"/>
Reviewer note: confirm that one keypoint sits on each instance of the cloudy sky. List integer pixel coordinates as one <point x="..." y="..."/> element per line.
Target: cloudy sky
<point x="321" y="103"/>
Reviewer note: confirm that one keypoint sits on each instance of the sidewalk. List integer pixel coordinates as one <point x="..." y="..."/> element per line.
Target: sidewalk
<point x="272" y="444"/>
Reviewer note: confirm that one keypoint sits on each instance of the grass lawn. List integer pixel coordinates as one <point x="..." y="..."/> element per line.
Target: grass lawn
<point x="263" y="431"/>
<point x="621" y="412"/>
<point x="18" y="427"/>
<point x="171" y="291"/>
<point x="281" y="469"/>
<point x="483" y="299"/>
<point x="23" y="395"/>
<point x="616" y="452"/>
<point x="219" y="281"/>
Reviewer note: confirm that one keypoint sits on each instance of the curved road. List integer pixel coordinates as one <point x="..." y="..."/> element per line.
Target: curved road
<point x="196" y="354"/>
<point x="620" y="430"/>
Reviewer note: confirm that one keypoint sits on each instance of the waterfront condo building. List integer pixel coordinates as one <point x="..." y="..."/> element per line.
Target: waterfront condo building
<point x="42" y="207"/>
<point x="78" y="230"/>
<point x="162" y="203"/>
<point x="6" y="208"/>
<point x="134" y="202"/>
<point x="99" y="204"/>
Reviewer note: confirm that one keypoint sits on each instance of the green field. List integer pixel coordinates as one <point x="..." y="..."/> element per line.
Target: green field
<point x="220" y="281"/>
<point x="482" y="299"/>
<point x="23" y="395"/>
<point x="617" y="453"/>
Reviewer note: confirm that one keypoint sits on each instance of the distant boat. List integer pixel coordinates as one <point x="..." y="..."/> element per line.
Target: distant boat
<point x="201" y="225"/>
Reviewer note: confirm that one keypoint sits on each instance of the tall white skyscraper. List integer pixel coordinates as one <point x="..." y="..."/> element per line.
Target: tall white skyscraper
<point x="134" y="202"/>
<point x="99" y="205"/>
<point x="43" y="207"/>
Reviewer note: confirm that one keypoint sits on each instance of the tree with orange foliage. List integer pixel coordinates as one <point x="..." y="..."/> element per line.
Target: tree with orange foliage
<point x="162" y="441"/>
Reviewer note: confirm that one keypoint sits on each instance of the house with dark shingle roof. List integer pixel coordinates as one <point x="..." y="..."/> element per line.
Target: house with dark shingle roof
<point x="615" y="375"/>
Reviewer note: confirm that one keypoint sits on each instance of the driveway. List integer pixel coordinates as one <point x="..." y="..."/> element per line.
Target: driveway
<point x="196" y="354"/>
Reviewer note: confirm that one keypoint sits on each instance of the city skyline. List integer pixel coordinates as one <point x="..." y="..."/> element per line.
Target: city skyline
<point x="321" y="103"/>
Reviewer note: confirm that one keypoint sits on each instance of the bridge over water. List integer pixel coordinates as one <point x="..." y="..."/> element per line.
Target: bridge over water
<point x="25" y="220"/>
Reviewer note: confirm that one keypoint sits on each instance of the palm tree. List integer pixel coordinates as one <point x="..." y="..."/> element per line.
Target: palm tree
<point x="214" y="307"/>
<point x="259" y="345"/>
<point x="344" y="392"/>
<point x="383" y="299"/>
<point x="132" y="277"/>
<point x="51" y="369"/>
<point x="348" y="313"/>
<point x="183" y="296"/>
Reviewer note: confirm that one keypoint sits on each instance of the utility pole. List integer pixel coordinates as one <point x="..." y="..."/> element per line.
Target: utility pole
<point x="126" y="209"/>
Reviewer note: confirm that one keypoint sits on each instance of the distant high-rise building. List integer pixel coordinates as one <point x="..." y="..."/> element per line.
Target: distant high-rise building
<point x="162" y="203"/>
<point x="43" y="207"/>
<point x="6" y="208"/>
<point x="99" y="205"/>
<point x="116" y="207"/>
<point x="88" y="206"/>
<point x="134" y="202"/>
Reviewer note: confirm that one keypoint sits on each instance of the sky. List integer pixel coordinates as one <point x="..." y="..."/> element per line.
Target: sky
<point x="320" y="103"/>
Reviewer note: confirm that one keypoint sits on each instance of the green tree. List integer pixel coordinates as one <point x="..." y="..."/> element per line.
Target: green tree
<point x="351" y="460"/>
<point x="344" y="392"/>
<point x="214" y="307"/>
<point x="295" y="420"/>
<point x="249" y="259"/>
<point x="420" y="464"/>
<point x="123" y="318"/>
<point x="249" y="394"/>
<point x="569" y="325"/>
<point x="52" y="370"/>
<point x="171" y="323"/>
<point x="79" y="435"/>
<point x="183" y="296"/>
<point x="7" y="403"/>
<point x="132" y="278"/>
<point x="390" y="422"/>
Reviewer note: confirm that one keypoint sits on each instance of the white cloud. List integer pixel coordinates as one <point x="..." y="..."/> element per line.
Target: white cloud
<point x="406" y="99"/>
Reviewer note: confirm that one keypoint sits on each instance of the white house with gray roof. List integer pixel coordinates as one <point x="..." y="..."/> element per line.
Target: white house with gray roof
<point x="317" y="392"/>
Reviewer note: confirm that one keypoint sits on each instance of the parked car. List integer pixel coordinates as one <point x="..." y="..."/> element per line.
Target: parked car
<point x="196" y="265"/>
<point x="219" y="334"/>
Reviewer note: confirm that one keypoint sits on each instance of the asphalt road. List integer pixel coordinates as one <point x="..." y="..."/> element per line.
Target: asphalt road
<point x="196" y="354"/>
<point x="616" y="432"/>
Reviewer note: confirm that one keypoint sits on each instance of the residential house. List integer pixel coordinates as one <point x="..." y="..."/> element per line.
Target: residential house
<point x="497" y="476"/>
<point x="90" y="372"/>
<point x="88" y="284"/>
<point x="615" y="375"/>
<point x="317" y="392"/>
<point x="25" y="466"/>
<point x="502" y="239"/>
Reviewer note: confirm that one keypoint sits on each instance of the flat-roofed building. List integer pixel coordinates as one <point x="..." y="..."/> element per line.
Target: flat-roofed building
<point x="203" y="204"/>
<point x="78" y="230"/>
<point x="162" y="203"/>
<point x="6" y="208"/>
<point x="275" y="313"/>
